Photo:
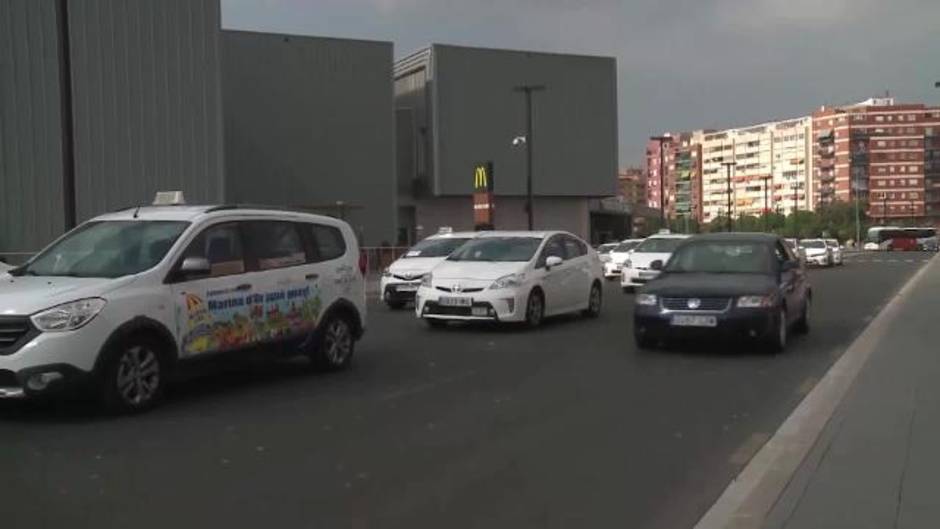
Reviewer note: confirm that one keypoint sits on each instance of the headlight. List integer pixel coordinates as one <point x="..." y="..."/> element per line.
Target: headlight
<point x="68" y="316"/>
<point x="510" y="281"/>
<point x="754" y="302"/>
<point x="426" y="280"/>
<point x="647" y="300"/>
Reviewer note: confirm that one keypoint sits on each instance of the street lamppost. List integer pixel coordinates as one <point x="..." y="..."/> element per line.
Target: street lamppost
<point x="529" y="143"/>
<point x="858" y="223"/>
<point x="766" y="210"/>
<point x="728" y="166"/>
<point x="662" y="177"/>
<point x="884" y="208"/>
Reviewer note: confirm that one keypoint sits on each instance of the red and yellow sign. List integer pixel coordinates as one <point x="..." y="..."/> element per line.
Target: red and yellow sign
<point x="483" y="206"/>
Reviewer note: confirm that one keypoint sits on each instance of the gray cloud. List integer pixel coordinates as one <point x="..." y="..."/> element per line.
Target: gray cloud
<point x="682" y="63"/>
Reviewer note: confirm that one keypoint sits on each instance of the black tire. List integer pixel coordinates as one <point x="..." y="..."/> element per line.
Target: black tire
<point x="435" y="323"/>
<point x="534" y="309"/>
<point x="802" y="325"/>
<point x="395" y="305"/>
<point x="777" y="341"/>
<point x="335" y="344"/>
<point x="595" y="301"/>
<point x="133" y="374"/>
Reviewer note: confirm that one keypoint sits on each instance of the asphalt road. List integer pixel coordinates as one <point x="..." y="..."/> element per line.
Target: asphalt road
<point x="566" y="426"/>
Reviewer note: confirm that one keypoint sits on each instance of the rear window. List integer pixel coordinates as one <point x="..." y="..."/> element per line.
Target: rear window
<point x="328" y="242"/>
<point x="664" y="245"/>
<point x="439" y="247"/>
<point x="275" y="244"/>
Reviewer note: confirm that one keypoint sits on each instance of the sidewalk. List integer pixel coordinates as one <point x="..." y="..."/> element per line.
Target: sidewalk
<point x="876" y="463"/>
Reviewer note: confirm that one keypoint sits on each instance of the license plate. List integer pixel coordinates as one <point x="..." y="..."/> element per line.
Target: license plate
<point x="449" y="301"/>
<point x="407" y="288"/>
<point x="479" y="311"/>
<point x="682" y="320"/>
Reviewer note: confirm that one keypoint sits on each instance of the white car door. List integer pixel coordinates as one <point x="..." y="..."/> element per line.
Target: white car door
<point x="554" y="279"/>
<point x="578" y="286"/>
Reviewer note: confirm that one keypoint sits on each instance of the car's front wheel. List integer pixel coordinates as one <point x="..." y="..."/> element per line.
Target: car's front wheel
<point x="777" y="341"/>
<point x="534" y="309"/>
<point x="595" y="300"/>
<point x="336" y="343"/>
<point x="133" y="374"/>
<point x="802" y="325"/>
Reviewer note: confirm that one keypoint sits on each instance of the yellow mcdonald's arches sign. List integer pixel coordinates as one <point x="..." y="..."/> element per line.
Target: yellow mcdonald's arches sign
<point x="483" y="177"/>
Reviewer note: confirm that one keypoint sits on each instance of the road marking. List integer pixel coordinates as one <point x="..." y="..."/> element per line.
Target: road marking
<point x="746" y="451"/>
<point x="420" y="388"/>
<point x="749" y="498"/>
<point x="909" y="261"/>
<point x="877" y="261"/>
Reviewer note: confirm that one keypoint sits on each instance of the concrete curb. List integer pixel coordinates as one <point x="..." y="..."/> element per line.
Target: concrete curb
<point x="749" y="498"/>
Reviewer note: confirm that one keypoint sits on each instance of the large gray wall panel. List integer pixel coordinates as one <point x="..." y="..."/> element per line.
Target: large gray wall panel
<point x="147" y="101"/>
<point x="31" y="211"/>
<point x="477" y="113"/>
<point x="309" y="122"/>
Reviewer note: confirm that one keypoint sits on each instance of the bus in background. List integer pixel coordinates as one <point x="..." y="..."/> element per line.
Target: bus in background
<point x="892" y="238"/>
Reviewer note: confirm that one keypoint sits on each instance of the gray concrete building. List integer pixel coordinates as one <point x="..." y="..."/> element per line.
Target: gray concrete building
<point x="130" y="88"/>
<point x="456" y="107"/>
<point x="309" y="123"/>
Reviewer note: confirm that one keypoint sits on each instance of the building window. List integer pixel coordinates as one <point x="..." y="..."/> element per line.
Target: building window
<point x="911" y="117"/>
<point x="879" y="118"/>
<point x="912" y="181"/>
<point x="911" y="130"/>
<point x="890" y="118"/>
<point x="913" y="168"/>
<point x="903" y="169"/>
<point x="903" y="196"/>
<point x="881" y="143"/>
<point x="881" y="183"/>
<point x="881" y="170"/>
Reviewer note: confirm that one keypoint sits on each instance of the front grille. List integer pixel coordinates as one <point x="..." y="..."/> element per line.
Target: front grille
<point x="705" y="304"/>
<point x="408" y="277"/>
<point x="433" y="308"/>
<point x="462" y="290"/>
<point x="8" y="379"/>
<point x="13" y="333"/>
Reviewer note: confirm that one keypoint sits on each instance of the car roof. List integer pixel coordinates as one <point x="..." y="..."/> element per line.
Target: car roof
<point x="739" y="237"/>
<point x="535" y="234"/>
<point x="667" y="236"/>
<point x="198" y="212"/>
<point x="456" y="234"/>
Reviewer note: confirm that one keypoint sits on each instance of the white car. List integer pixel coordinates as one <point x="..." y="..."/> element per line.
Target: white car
<point x="817" y="252"/>
<point x="636" y="270"/>
<point x="871" y="247"/>
<point x="125" y="299"/>
<point x="508" y="276"/>
<point x="836" y="251"/>
<point x="618" y="256"/>
<point x="400" y="281"/>
<point x="603" y="251"/>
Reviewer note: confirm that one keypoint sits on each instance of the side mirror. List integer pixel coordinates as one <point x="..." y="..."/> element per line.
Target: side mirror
<point x="194" y="267"/>
<point x="656" y="265"/>
<point x="552" y="261"/>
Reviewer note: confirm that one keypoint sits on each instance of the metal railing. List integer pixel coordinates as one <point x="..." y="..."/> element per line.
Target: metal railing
<point x="378" y="258"/>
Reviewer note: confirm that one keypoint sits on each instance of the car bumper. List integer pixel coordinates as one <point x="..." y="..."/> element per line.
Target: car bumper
<point x="734" y="324"/>
<point x="611" y="269"/>
<point x="505" y="305"/>
<point x="635" y="277"/>
<point x="398" y="291"/>
<point x="819" y="260"/>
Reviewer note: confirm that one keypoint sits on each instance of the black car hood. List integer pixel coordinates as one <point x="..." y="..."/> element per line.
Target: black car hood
<point x="710" y="285"/>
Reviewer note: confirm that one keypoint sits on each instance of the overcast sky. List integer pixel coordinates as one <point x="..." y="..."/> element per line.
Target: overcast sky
<point x="682" y="64"/>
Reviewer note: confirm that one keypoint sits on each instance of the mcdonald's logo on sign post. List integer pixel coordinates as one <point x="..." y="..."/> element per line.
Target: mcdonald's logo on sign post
<point x="483" y="177"/>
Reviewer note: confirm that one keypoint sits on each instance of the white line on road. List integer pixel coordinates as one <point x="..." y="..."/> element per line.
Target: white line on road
<point x="748" y="499"/>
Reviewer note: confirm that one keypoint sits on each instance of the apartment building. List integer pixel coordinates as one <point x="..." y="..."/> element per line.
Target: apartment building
<point x="631" y="184"/>
<point x="681" y="184"/>
<point x="887" y="154"/>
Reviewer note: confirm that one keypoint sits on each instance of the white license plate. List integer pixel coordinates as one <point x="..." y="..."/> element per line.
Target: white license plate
<point x="479" y="311"/>
<point x="449" y="301"/>
<point x="683" y="320"/>
<point x="407" y="288"/>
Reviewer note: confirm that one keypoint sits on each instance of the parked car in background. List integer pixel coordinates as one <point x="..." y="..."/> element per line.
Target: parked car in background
<point x="636" y="270"/>
<point x="603" y="251"/>
<point x="400" y="281"/>
<point x="513" y="276"/>
<point x="618" y="256"/>
<point x="122" y="301"/>
<point x="836" y="251"/>
<point x="817" y="252"/>
<point x="729" y="285"/>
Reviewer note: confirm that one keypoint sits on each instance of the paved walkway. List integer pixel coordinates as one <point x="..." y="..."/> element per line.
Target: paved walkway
<point x="877" y="462"/>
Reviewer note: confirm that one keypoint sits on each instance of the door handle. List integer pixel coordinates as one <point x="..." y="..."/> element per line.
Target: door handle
<point x="312" y="276"/>
<point x="243" y="286"/>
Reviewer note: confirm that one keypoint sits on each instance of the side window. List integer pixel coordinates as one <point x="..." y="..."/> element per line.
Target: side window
<point x="574" y="247"/>
<point x="782" y="253"/>
<point x="221" y="245"/>
<point x="328" y="242"/>
<point x="274" y="244"/>
<point x="555" y="247"/>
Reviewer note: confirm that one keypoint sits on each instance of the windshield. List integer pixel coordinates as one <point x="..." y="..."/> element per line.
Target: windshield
<point x="498" y="249"/>
<point x="107" y="249"/>
<point x="659" y="245"/>
<point x="606" y="248"/>
<point x="626" y="246"/>
<point x="441" y="247"/>
<point x="813" y="244"/>
<point x="729" y="257"/>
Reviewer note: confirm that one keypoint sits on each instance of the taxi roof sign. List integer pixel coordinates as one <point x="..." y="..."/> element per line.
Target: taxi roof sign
<point x="169" y="198"/>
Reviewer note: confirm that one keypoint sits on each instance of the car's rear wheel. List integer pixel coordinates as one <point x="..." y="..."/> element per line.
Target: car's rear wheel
<point x="802" y="325"/>
<point x="335" y="345"/>
<point x="534" y="309"/>
<point x="777" y="341"/>
<point x="133" y="374"/>
<point x="595" y="301"/>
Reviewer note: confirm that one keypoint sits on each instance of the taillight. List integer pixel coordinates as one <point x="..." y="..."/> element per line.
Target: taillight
<point x="363" y="262"/>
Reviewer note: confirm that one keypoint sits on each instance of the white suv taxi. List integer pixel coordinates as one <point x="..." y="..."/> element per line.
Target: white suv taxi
<point x="124" y="299"/>
<point x="400" y="281"/>
<point x="510" y="276"/>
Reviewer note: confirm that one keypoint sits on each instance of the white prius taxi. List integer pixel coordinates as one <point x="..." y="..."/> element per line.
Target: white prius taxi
<point x="513" y="276"/>
<point x="400" y="281"/>
<point x="636" y="270"/>
<point x="120" y="302"/>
